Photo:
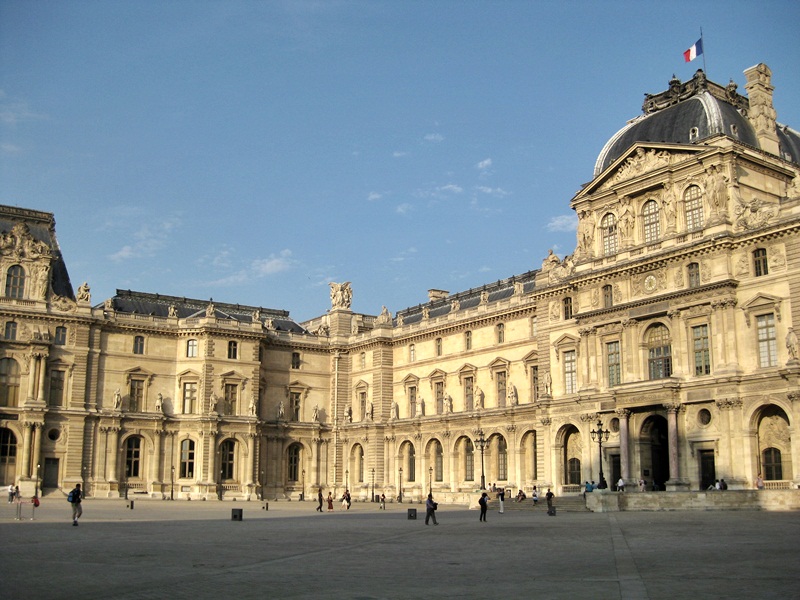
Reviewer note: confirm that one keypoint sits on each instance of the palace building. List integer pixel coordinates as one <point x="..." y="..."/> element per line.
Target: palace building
<point x="668" y="333"/>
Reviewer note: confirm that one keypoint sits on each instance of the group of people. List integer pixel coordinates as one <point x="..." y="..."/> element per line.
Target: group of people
<point x="719" y="485"/>
<point x="483" y="501"/>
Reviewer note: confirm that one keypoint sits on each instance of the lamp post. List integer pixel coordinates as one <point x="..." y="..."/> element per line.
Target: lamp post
<point x="261" y="482"/>
<point x="373" y="485"/>
<point x="347" y="479"/>
<point x="172" y="484"/>
<point x="83" y="481"/>
<point x="600" y="435"/>
<point x="303" y="483"/>
<point x="400" y="497"/>
<point x="430" y="480"/>
<point x="481" y="443"/>
<point x="36" y="485"/>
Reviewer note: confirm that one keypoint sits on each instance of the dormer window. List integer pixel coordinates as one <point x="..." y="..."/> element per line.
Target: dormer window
<point x="734" y="130"/>
<point x="694" y="134"/>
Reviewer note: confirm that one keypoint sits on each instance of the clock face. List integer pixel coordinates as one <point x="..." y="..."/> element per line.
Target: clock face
<point x="650" y="283"/>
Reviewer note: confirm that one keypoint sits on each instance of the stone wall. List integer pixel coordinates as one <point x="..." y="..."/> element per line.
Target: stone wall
<point x="728" y="500"/>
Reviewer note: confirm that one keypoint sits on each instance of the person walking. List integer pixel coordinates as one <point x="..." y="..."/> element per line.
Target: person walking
<point x="383" y="502"/>
<point x="502" y="496"/>
<point x="430" y="510"/>
<point x="549" y="497"/>
<point x="75" y="499"/>
<point x="11" y="493"/>
<point x="484" y="504"/>
<point x="330" y="502"/>
<point x="319" y="498"/>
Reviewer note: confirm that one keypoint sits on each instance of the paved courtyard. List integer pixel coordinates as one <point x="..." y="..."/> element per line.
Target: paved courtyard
<point x="194" y="550"/>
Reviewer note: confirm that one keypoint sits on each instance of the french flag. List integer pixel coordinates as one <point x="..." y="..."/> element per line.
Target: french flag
<point x="694" y="51"/>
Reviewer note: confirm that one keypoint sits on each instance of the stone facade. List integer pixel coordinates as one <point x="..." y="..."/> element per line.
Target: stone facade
<point x="668" y="333"/>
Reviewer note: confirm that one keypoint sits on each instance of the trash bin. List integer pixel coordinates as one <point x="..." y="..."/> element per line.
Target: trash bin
<point x="412" y="514"/>
<point x="377" y="498"/>
<point x="130" y="504"/>
<point x="236" y="514"/>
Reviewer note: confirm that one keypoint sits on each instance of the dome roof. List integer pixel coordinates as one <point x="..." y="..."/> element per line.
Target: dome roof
<point x="688" y="113"/>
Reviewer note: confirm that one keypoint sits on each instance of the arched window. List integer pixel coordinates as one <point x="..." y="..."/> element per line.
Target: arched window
<point x="438" y="463"/>
<point x="360" y="463"/>
<point x="133" y="457"/>
<point x="501" y="333"/>
<point x="15" y="282"/>
<point x="9" y="382"/>
<point x="693" y="208"/>
<point x="502" y="459"/>
<point x="608" y="296"/>
<point x="227" y="454"/>
<point x="293" y="471"/>
<point x="760" y="265"/>
<point x="11" y="330"/>
<point x="411" y="466"/>
<point x="138" y="344"/>
<point x="608" y="230"/>
<point x="772" y="465"/>
<point x="574" y="471"/>
<point x="233" y="350"/>
<point x="191" y="348"/>
<point x="187" y="459"/>
<point x="659" y="352"/>
<point x="567" y="302"/>
<point x="8" y="455"/>
<point x="651" y="222"/>
<point x="469" y="461"/>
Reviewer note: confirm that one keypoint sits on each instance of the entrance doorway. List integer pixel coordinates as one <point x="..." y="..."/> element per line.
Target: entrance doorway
<point x="654" y="451"/>
<point x="708" y="473"/>
<point x="616" y="470"/>
<point x="50" y="479"/>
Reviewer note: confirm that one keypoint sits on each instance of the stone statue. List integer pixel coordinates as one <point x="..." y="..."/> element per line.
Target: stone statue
<point x="84" y="293"/>
<point x="210" y="309"/>
<point x="108" y="305"/>
<point x="252" y="407"/>
<point x="484" y="297"/>
<point x="448" y="404"/>
<point x="348" y="415"/>
<point x="281" y="410"/>
<point x="511" y="396"/>
<point x="370" y="411"/>
<point x="341" y="294"/>
<point x="315" y="414"/>
<point x="585" y="233"/>
<point x="395" y="410"/>
<point x="626" y="219"/>
<point x="547" y="383"/>
<point x="117" y="399"/>
<point x="212" y="402"/>
<point x="792" y="344"/>
<point x="159" y="402"/>
<point x="421" y="403"/>
<point x="478" y="393"/>
<point x="426" y="312"/>
<point x="256" y="315"/>
<point x="717" y="189"/>
<point x="550" y="261"/>
<point x="384" y="317"/>
<point x="173" y="311"/>
<point x="399" y="320"/>
<point x="668" y="203"/>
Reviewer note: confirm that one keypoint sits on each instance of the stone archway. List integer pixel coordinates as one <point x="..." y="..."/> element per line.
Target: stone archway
<point x="774" y="444"/>
<point x="654" y="452"/>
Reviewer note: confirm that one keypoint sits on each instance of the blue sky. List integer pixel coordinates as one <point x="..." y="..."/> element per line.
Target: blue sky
<point x="255" y="151"/>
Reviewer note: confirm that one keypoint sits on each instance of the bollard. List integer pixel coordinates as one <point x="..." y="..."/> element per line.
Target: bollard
<point x="130" y="504"/>
<point x="236" y="514"/>
<point x="266" y="505"/>
<point x="412" y="514"/>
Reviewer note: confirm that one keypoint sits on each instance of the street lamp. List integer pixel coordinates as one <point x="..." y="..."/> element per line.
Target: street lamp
<point x="600" y="435"/>
<point x="347" y="479"/>
<point x="84" y="468"/>
<point x="303" y="483"/>
<point x="172" y="484"/>
<point x="373" y="485"/>
<point x="481" y="443"/>
<point x="36" y="485"/>
<point x="400" y="497"/>
<point x="430" y="480"/>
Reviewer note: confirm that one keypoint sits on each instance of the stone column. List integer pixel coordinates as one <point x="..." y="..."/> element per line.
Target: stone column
<point x="675" y="483"/>
<point x="42" y="374"/>
<point x="155" y="471"/>
<point x="36" y="457"/>
<point x="251" y="461"/>
<point x="25" y="470"/>
<point x="113" y="453"/>
<point x="34" y="359"/>
<point x="315" y="442"/>
<point x="550" y="464"/>
<point x="624" y="453"/>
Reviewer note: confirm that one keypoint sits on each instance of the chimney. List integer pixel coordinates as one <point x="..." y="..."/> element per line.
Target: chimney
<point x="437" y="295"/>
<point x="762" y="113"/>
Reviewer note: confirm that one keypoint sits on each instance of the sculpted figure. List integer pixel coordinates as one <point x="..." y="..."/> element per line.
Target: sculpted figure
<point x="281" y="410"/>
<point x="547" y="383"/>
<point x="210" y="309"/>
<point x="252" y="408"/>
<point x="478" y="393"/>
<point x="511" y="396"/>
<point x="385" y="316"/>
<point x="117" y="399"/>
<point x="159" y="402"/>
<point x="792" y="344"/>
<point x="173" y="311"/>
<point x="341" y="294"/>
<point x="669" y="207"/>
<point x="315" y="413"/>
<point x="256" y="315"/>
<point x="626" y="219"/>
<point x="395" y="410"/>
<point x="349" y="414"/>
<point x="84" y="293"/>
<point x="585" y="232"/>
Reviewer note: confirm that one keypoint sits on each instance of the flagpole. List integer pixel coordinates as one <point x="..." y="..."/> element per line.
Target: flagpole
<point x="703" y="46"/>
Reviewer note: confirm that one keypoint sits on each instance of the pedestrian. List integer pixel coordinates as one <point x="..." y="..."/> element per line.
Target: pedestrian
<point x="535" y="495"/>
<point x="642" y="485"/>
<point x="348" y="498"/>
<point x="17" y="495"/>
<point x="722" y="485"/>
<point x="586" y="488"/>
<point x="383" y="502"/>
<point x="621" y="485"/>
<point x="344" y="500"/>
<point x="74" y="498"/>
<point x="759" y="483"/>
<point x="430" y="510"/>
<point x="11" y="493"/>
<point x="549" y="497"/>
<point x="484" y="503"/>
<point x="330" y="502"/>
<point x="319" y="498"/>
<point x="501" y="496"/>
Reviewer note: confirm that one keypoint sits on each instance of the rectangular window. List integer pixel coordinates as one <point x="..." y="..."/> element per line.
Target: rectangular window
<point x="693" y="271"/>
<point x="613" y="363"/>
<point x="133" y="457"/>
<point x="469" y="394"/>
<point x="501" y="388"/>
<point x="11" y="330"/>
<point x="191" y="348"/>
<point x="189" y="397"/>
<point x="138" y="345"/>
<point x="412" y="401"/>
<point x="570" y="372"/>
<point x="467" y="340"/>
<point x="608" y="296"/>
<point x="187" y="459"/>
<point x="767" y="344"/>
<point x="56" y="388"/>
<point x="363" y="360"/>
<point x="231" y="397"/>
<point x="136" y="397"/>
<point x="760" y="262"/>
<point x="534" y="383"/>
<point x="233" y="350"/>
<point x="294" y="405"/>
<point x="469" y="463"/>
<point x="362" y="404"/>
<point x="61" y="336"/>
<point x="439" y="392"/>
<point x="702" y="357"/>
<point x="567" y="308"/>
<point x="296" y="360"/>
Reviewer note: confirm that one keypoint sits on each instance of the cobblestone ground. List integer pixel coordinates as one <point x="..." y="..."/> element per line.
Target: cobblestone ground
<point x="194" y="550"/>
